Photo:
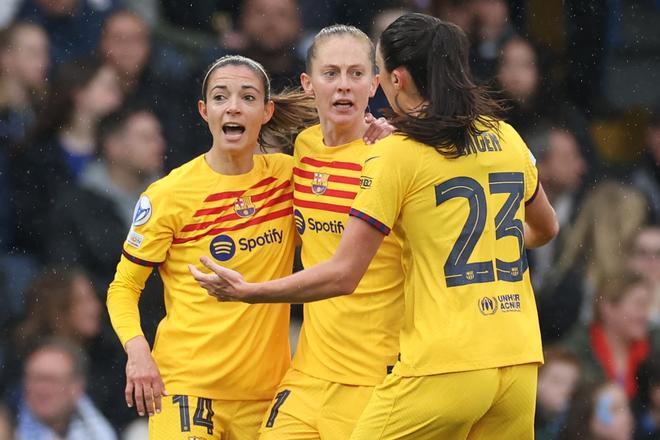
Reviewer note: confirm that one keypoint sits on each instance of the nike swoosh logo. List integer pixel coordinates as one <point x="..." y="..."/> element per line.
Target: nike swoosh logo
<point x="372" y="157"/>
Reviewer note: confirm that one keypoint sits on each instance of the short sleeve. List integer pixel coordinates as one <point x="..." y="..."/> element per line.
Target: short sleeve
<point x="386" y="175"/>
<point x="152" y="229"/>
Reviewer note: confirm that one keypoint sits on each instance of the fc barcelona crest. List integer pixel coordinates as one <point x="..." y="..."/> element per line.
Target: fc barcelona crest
<point x="320" y="183"/>
<point x="244" y="207"/>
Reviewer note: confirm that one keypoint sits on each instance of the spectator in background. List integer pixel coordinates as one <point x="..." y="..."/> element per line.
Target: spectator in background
<point x="620" y="338"/>
<point x="558" y="378"/>
<point x="126" y="44"/>
<point x="644" y="260"/>
<point x="524" y="78"/>
<point x="646" y="177"/>
<point x="90" y="220"/>
<point x="63" y="303"/>
<point x="594" y="247"/>
<point x="6" y="423"/>
<point x="73" y="25"/>
<point x="63" y="143"/>
<point x="599" y="412"/>
<point x="459" y="12"/>
<point x="24" y="62"/>
<point x="561" y="168"/>
<point x="492" y="28"/>
<point x="270" y="31"/>
<point x="54" y="404"/>
<point x="23" y="65"/>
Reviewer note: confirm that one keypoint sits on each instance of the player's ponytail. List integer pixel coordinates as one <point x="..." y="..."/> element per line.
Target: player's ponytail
<point x="294" y="111"/>
<point x="435" y="53"/>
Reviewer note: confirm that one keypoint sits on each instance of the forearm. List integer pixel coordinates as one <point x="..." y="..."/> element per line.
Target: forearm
<point x="123" y="298"/>
<point x="326" y="280"/>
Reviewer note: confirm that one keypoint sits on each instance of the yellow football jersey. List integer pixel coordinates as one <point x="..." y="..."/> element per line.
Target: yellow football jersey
<point x="469" y="303"/>
<point x="218" y="350"/>
<point x="351" y="339"/>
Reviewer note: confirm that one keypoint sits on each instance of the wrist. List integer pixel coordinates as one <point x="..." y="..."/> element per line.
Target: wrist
<point x="137" y="345"/>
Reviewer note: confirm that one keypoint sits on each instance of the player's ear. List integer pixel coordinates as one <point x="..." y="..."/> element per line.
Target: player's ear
<point x="306" y="83"/>
<point x="269" y="109"/>
<point x="201" y="107"/>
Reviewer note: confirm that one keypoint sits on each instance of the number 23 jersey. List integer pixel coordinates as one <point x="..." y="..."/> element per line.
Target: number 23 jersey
<point x="469" y="302"/>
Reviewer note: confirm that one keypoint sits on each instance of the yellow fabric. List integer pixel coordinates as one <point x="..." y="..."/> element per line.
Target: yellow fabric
<point x="203" y="347"/>
<point x="469" y="302"/>
<point x="351" y="339"/>
<point x="193" y="418"/>
<point x="495" y="403"/>
<point x="308" y="408"/>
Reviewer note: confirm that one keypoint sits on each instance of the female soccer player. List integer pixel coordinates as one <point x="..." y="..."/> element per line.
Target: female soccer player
<point x="346" y="344"/>
<point x="462" y="189"/>
<point x="220" y="363"/>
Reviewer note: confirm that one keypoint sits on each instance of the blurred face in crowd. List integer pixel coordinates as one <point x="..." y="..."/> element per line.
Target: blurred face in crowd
<point x="85" y="309"/>
<point x="492" y="17"/>
<point x="101" y="95"/>
<point x="557" y="380"/>
<point x="271" y="25"/>
<point x="341" y="79"/>
<point x="629" y="317"/>
<point x="645" y="254"/>
<point x="562" y="168"/>
<point x="27" y="57"/>
<point x="51" y="386"/>
<point x="518" y="71"/>
<point x="58" y="8"/>
<point x="612" y="418"/>
<point x="460" y="13"/>
<point x="140" y="146"/>
<point x="125" y="44"/>
<point x="235" y="108"/>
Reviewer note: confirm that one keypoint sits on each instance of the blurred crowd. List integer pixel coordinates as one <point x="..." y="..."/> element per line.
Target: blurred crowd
<point x="98" y="100"/>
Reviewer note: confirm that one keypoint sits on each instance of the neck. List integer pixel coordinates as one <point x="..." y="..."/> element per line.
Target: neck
<point x="334" y="135"/>
<point x="228" y="162"/>
<point x="59" y="425"/>
<point x="79" y="135"/>
<point x="128" y="180"/>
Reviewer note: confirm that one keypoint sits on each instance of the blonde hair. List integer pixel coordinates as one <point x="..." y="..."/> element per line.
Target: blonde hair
<point x="608" y="221"/>
<point x="340" y="30"/>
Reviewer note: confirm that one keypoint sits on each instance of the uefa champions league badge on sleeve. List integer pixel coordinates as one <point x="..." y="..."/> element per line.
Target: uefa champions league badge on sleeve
<point x="142" y="212"/>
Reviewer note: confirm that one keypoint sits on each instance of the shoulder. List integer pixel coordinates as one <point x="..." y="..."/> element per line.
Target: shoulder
<point x="309" y="137"/>
<point x="178" y="178"/>
<point x="277" y="164"/>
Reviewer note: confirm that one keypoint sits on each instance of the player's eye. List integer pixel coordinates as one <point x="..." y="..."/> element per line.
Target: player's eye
<point x="249" y="98"/>
<point x="219" y="97"/>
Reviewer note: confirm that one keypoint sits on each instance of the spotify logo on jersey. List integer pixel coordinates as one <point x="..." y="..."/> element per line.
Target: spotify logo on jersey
<point x="223" y="247"/>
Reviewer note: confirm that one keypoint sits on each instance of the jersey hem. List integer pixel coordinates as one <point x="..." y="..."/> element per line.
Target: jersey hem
<point x="400" y="369"/>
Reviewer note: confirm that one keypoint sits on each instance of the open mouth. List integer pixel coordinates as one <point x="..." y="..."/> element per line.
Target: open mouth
<point x="233" y="129"/>
<point x="343" y="104"/>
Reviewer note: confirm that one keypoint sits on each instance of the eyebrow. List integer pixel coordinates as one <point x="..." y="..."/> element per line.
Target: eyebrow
<point x="243" y="87"/>
<point x="336" y="66"/>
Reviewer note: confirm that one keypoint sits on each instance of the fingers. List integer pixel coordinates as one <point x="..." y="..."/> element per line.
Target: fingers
<point x="139" y="398"/>
<point x="370" y="135"/>
<point x="159" y="393"/>
<point x="369" y="118"/>
<point x="212" y="265"/>
<point x="128" y="393"/>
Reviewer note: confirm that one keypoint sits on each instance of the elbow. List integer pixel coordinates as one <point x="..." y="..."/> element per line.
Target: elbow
<point x="346" y="280"/>
<point x="550" y="231"/>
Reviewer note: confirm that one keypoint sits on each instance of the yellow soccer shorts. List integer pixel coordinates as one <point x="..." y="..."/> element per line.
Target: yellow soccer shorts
<point x="308" y="408"/>
<point x="196" y="418"/>
<point x="496" y="403"/>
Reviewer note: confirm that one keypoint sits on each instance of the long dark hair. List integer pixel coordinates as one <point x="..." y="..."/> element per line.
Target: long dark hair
<point x="435" y="53"/>
<point x="294" y="110"/>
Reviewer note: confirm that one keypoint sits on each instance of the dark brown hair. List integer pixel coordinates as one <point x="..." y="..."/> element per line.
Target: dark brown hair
<point x="435" y="53"/>
<point x="294" y="109"/>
